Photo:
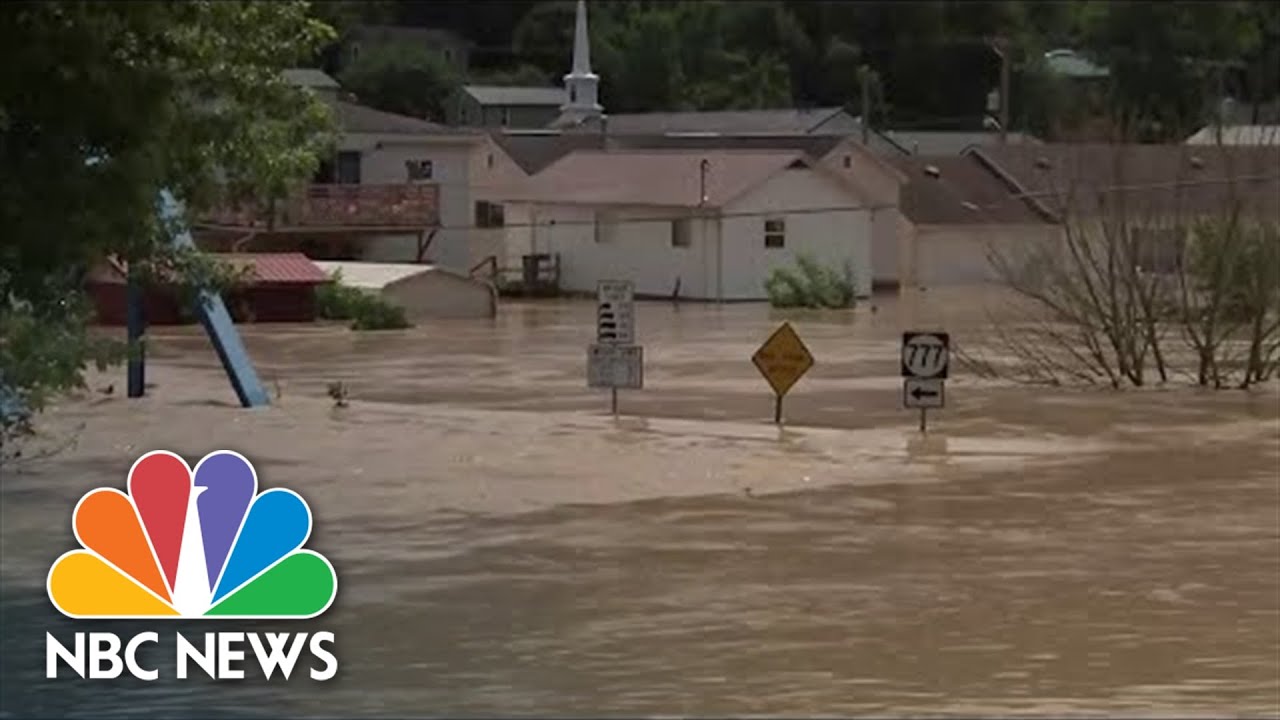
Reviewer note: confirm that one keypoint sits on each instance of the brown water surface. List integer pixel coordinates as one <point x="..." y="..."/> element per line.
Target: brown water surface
<point x="504" y="546"/>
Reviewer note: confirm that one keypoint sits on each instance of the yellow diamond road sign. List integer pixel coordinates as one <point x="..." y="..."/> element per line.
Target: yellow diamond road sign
<point x="783" y="359"/>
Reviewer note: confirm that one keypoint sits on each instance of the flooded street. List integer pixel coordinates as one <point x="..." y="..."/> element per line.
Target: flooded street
<point x="506" y="547"/>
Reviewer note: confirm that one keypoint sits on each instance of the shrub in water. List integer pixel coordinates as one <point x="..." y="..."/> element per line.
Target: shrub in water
<point x="336" y="301"/>
<point x="810" y="286"/>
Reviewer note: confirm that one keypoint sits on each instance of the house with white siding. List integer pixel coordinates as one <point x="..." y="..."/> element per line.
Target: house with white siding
<point x="397" y="189"/>
<point x="689" y="223"/>
<point x="511" y="157"/>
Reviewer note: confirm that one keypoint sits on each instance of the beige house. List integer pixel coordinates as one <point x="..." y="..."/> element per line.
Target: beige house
<point x="1017" y="201"/>
<point x="955" y="216"/>
<point x="1155" y="193"/>
<point x="378" y="149"/>
<point x="687" y="223"/>
<point x="509" y="159"/>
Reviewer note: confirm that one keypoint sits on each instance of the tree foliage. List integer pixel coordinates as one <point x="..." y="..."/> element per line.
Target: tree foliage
<point x="404" y="78"/>
<point x="933" y="57"/>
<point x="104" y="104"/>
<point x="811" y="285"/>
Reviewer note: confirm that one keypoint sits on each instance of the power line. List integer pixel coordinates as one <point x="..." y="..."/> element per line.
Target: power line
<point x="693" y="213"/>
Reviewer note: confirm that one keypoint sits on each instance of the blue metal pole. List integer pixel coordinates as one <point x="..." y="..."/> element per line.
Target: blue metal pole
<point x="217" y="322"/>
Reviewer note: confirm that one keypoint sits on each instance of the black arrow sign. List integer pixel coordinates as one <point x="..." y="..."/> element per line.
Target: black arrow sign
<point x="919" y="392"/>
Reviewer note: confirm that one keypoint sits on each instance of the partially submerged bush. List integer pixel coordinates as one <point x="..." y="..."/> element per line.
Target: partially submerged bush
<point x="812" y="286"/>
<point x="336" y="301"/>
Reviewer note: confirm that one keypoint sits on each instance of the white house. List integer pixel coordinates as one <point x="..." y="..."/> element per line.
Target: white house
<point x="698" y="224"/>
<point x="377" y="148"/>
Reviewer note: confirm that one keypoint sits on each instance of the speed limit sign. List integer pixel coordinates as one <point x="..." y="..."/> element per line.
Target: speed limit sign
<point x="925" y="354"/>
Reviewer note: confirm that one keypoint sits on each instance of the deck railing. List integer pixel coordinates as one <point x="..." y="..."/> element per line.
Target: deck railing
<point x="404" y="205"/>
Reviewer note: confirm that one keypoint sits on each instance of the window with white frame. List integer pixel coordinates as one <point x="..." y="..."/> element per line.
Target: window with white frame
<point x="682" y="233"/>
<point x="419" y="169"/>
<point x="489" y="215"/>
<point x="775" y="233"/>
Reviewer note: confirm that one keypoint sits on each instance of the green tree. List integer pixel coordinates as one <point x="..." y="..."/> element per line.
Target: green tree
<point x="104" y="104"/>
<point x="1169" y="59"/>
<point x="524" y="75"/>
<point x="402" y="78"/>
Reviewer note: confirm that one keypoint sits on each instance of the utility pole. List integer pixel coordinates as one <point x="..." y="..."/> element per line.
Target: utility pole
<point x="864" y="80"/>
<point x="1000" y="46"/>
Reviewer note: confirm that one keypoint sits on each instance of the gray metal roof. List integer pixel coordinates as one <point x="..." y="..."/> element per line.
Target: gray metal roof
<point x="515" y="95"/>
<point x="1069" y="63"/>
<point x="784" y="120"/>
<point x="310" y="78"/>
<point x="1237" y="135"/>
<point x="947" y="142"/>
<point x="355" y="118"/>
<point x="535" y="151"/>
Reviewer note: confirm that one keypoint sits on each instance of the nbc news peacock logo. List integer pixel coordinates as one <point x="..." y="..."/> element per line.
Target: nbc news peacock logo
<point x="183" y="545"/>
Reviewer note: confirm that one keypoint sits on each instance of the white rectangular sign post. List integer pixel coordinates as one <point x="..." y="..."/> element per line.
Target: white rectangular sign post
<point x="926" y="357"/>
<point x="615" y="366"/>
<point x="615" y="361"/>
<point x="615" y="313"/>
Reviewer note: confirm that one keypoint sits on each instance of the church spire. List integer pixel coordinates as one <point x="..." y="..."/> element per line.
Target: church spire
<point x="581" y="85"/>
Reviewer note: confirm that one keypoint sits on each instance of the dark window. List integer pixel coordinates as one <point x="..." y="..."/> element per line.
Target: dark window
<point x="506" y="116"/>
<point x="775" y="233"/>
<point x="489" y="160"/>
<point x="325" y="174"/>
<point x="419" y="169"/>
<point x="573" y="94"/>
<point x="681" y="233"/>
<point x="489" y="215"/>
<point x="848" y="161"/>
<point x="349" y="168"/>
<point x="1158" y="250"/>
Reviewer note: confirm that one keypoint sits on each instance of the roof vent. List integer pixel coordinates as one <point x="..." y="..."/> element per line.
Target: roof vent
<point x="1197" y="162"/>
<point x="932" y="171"/>
<point x="1042" y="163"/>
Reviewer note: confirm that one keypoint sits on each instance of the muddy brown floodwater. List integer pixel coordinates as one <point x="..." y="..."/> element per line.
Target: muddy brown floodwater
<point x="505" y="546"/>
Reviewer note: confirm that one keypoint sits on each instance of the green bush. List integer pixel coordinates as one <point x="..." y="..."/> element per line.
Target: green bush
<point x="336" y="301"/>
<point x="811" y="286"/>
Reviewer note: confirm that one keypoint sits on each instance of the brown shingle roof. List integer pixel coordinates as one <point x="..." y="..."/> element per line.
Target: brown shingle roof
<point x="654" y="177"/>
<point x="963" y="193"/>
<point x="1148" y="180"/>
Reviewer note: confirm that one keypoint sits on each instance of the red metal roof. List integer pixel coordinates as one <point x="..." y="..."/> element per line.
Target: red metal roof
<point x="277" y="268"/>
<point x="267" y="269"/>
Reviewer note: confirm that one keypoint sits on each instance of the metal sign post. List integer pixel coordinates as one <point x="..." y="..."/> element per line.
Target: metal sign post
<point x="615" y="361"/>
<point x="782" y="360"/>
<point x="926" y="357"/>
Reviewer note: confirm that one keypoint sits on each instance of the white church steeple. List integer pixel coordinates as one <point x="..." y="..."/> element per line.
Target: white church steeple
<point x="581" y="85"/>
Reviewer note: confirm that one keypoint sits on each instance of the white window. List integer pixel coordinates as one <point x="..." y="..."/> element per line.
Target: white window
<point x="681" y="233"/>
<point x="419" y="169"/>
<point x="775" y="233"/>
<point x="489" y="215"/>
